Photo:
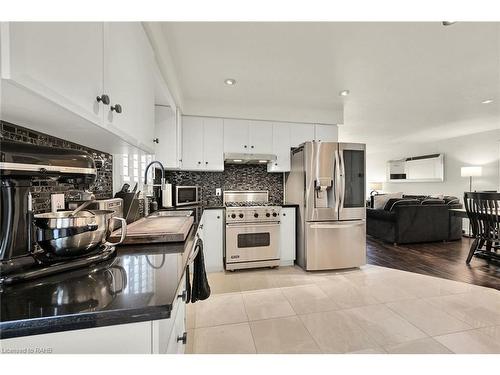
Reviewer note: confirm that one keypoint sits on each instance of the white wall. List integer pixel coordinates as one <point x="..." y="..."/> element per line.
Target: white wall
<point x="477" y="149"/>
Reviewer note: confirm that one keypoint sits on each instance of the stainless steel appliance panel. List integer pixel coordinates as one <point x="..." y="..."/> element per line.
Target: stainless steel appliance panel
<point x="352" y="181"/>
<point x="335" y="245"/>
<point x="321" y="175"/>
<point x="247" y="243"/>
<point x="186" y="195"/>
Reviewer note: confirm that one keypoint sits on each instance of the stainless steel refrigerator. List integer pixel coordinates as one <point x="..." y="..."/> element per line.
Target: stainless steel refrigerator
<point x="327" y="180"/>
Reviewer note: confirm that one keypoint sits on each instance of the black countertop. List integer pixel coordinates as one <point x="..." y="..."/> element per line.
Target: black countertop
<point x="290" y="205"/>
<point x="139" y="284"/>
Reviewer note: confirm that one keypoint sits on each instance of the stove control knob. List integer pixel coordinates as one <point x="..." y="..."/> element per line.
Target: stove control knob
<point x="241" y="216"/>
<point x="275" y="214"/>
<point x="256" y="215"/>
<point x="233" y="216"/>
<point x="268" y="214"/>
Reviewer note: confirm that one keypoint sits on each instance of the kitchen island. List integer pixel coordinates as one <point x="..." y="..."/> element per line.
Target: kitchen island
<point x="134" y="300"/>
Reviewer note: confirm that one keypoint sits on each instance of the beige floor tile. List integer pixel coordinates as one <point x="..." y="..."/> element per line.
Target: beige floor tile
<point x="223" y="282"/>
<point x="478" y="308"/>
<point x="346" y="294"/>
<point x="369" y="351"/>
<point x="494" y="332"/>
<point x="422" y="346"/>
<point x="225" y="339"/>
<point x="249" y="281"/>
<point x="475" y="341"/>
<point x="387" y="291"/>
<point x="296" y="279"/>
<point x="383" y="325"/>
<point x="308" y="299"/>
<point x="266" y="304"/>
<point x="220" y="309"/>
<point x="336" y="332"/>
<point x="428" y="318"/>
<point x="282" y="335"/>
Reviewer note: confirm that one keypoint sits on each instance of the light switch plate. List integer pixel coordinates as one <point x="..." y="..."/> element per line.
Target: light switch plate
<point x="218" y="192"/>
<point x="56" y="202"/>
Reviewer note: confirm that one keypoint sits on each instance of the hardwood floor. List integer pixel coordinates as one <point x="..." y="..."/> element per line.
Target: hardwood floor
<point x="440" y="259"/>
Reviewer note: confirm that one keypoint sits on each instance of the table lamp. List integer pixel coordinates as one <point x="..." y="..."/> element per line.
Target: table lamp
<point x="470" y="172"/>
<point x="374" y="187"/>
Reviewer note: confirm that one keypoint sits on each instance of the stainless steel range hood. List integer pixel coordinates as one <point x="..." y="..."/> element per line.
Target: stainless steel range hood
<point x="237" y="158"/>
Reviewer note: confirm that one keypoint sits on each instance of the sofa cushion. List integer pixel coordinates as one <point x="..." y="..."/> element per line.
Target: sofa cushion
<point x="429" y="201"/>
<point x="379" y="201"/>
<point x="393" y="203"/>
<point x="380" y="215"/>
<point x="450" y="200"/>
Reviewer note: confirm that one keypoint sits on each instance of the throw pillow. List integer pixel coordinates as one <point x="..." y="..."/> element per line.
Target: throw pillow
<point x="379" y="201"/>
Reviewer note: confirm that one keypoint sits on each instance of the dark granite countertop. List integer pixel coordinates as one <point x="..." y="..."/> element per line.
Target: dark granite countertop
<point x="290" y="205"/>
<point x="139" y="284"/>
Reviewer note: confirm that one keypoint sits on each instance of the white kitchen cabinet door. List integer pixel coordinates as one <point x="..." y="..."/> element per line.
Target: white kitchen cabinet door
<point x="192" y="143"/>
<point x="325" y="133"/>
<point x="128" y="78"/>
<point x="281" y="148"/>
<point x="236" y="136"/>
<point x="59" y="61"/>
<point x="300" y="133"/>
<point x="133" y="338"/>
<point x="168" y="133"/>
<point x="287" y="236"/>
<point x="213" y="240"/>
<point x="260" y="137"/>
<point x="213" y="144"/>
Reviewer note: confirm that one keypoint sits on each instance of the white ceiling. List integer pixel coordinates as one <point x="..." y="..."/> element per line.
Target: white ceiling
<point x="408" y="81"/>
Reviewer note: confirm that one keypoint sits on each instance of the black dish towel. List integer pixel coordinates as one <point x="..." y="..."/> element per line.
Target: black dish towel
<point x="200" y="289"/>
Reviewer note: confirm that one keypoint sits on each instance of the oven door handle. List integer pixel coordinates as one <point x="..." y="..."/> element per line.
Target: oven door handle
<point x="246" y="225"/>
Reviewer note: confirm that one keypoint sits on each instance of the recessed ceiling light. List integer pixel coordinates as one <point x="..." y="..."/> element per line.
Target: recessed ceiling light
<point x="487" y="101"/>
<point x="230" y="81"/>
<point x="344" y="93"/>
<point x="448" y="23"/>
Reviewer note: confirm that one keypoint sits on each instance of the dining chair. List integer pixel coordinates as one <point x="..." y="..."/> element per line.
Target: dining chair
<point x="483" y="211"/>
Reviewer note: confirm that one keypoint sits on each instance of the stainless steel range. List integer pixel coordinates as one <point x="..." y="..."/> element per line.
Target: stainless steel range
<point x="252" y="230"/>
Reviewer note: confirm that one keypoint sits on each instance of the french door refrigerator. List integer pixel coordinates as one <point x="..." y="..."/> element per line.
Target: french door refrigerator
<point x="327" y="181"/>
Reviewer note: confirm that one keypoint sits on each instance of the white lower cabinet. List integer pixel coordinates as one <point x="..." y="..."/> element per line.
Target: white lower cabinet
<point x="123" y="338"/>
<point x="287" y="236"/>
<point x="213" y="239"/>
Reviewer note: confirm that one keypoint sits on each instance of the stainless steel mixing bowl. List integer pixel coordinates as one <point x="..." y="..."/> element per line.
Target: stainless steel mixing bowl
<point x="64" y="235"/>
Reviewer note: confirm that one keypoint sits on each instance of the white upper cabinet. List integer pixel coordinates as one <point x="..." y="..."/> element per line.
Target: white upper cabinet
<point x="202" y="144"/>
<point x="326" y="133"/>
<point x="59" y="61"/>
<point x="192" y="143"/>
<point x="248" y="136"/>
<point x="128" y="78"/>
<point x="300" y="133"/>
<point x="236" y="136"/>
<point x="281" y="148"/>
<point x="167" y="132"/>
<point x="83" y="74"/>
<point x="213" y="144"/>
<point x="260" y="137"/>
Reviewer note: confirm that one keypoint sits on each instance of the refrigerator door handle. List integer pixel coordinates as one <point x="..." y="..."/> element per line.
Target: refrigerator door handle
<point x="336" y="167"/>
<point x="342" y="181"/>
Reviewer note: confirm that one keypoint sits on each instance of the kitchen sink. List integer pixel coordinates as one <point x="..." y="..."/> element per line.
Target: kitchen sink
<point x="180" y="213"/>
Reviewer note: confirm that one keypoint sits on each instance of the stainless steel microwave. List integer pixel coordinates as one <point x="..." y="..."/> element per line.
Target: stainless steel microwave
<point x="186" y="195"/>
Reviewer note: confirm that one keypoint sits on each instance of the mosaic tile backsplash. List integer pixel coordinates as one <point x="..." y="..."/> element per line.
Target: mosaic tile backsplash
<point x="43" y="188"/>
<point x="234" y="177"/>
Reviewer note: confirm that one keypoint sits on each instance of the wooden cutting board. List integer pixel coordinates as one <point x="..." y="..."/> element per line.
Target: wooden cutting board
<point x="156" y="229"/>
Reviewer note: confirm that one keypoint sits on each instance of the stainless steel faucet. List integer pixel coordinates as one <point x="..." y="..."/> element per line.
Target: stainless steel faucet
<point x="163" y="182"/>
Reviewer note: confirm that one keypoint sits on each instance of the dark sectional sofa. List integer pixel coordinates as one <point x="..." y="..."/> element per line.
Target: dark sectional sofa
<point x="414" y="219"/>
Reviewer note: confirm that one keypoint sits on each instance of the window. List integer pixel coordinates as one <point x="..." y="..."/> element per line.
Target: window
<point x="129" y="168"/>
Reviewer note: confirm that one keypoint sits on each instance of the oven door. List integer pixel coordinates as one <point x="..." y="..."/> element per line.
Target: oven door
<point x="252" y="242"/>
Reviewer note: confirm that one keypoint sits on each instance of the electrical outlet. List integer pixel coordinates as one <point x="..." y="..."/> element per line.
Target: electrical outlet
<point x="218" y="192"/>
<point x="56" y="202"/>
